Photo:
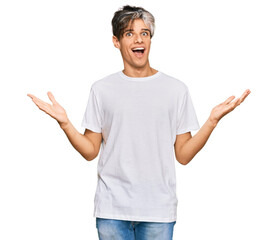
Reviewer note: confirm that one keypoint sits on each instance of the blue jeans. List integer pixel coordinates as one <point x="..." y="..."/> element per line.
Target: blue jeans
<point x="112" y="229"/>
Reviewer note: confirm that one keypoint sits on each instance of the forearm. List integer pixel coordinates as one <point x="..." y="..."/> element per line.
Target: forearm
<point x="79" y="141"/>
<point x="197" y="142"/>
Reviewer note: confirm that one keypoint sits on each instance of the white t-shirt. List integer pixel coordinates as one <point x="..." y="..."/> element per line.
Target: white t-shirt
<point x="139" y="119"/>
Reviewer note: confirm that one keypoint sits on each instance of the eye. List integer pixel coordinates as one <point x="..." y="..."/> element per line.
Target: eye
<point x="145" y="33"/>
<point x="129" y="34"/>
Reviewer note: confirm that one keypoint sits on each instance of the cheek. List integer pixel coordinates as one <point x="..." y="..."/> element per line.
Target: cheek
<point x="148" y="44"/>
<point x="125" y="52"/>
<point x="125" y="49"/>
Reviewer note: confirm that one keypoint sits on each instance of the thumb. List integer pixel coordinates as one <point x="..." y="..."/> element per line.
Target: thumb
<point x="229" y="100"/>
<point x="51" y="97"/>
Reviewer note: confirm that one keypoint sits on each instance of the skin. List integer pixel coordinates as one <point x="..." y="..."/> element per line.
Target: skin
<point x="88" y="144"/>
<point x="186" y="146"/>
<point x="136" y="35"/>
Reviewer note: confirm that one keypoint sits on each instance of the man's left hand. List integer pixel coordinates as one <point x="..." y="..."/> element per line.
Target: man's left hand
<point x="224" y="108"/>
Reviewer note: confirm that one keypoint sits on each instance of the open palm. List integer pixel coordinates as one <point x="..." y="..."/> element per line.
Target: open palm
<point x="55" y="110"/>
<point x="224" y="108"/>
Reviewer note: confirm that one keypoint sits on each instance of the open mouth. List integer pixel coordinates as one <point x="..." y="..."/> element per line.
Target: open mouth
<point x="138" y="51"/>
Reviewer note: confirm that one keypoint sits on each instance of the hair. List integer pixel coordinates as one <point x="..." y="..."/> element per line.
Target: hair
<point x="127" y="13"/>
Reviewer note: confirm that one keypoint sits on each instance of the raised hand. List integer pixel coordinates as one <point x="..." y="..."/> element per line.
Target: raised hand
<point x="55" y="110"/>
<point x="224" y="108"/>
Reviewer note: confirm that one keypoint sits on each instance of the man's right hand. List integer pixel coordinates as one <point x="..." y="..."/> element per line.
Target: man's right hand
<point x="87" y="144"/>
<point x="55" y="110"/>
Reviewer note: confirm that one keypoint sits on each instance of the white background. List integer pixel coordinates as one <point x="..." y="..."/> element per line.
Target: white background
<point x="218" y="48"/>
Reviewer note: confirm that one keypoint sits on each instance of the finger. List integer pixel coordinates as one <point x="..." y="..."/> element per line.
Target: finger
<point x="30" y="95"/>
<point x="51" y="97"/>
<point x="244" y="95"/>
<point x="232" y="105"/>
<point x="34" y="98"/>
<point x="229" y="100"/>
<point x="37" y="100"/>
<point x="235" y="103"/>
<point x="40" y="103"/>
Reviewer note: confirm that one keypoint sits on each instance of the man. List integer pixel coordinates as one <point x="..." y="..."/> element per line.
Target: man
<point x="137" y="115"/>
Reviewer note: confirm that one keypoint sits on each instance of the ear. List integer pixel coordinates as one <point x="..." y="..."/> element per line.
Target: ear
<point x="116" y="42"/>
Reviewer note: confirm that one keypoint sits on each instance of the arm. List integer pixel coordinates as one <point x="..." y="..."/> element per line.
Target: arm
<point x="87" y="144"/>
<point x="186" y="146"/>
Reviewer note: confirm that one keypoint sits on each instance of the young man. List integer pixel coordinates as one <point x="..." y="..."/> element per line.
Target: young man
<point x="138" y="116"/>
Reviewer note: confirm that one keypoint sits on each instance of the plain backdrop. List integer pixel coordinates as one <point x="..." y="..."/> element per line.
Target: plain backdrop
<point x="217" y="48"/>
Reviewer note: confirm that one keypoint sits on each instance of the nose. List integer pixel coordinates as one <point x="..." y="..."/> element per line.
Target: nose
<point x="138" y="38"/>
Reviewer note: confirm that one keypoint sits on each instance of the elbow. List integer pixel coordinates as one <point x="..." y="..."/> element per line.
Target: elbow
<point x="90" y="157"/>
<point x="185" y="161"/>
<point x="182" y="161"/>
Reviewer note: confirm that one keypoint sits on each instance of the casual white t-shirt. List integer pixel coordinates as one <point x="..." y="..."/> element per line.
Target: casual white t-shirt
<point x="139" y="119"/>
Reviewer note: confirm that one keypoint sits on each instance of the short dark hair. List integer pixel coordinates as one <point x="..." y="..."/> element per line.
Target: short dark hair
<point x="127" y="13"/>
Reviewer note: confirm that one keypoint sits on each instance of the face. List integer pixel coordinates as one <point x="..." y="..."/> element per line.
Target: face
<point x="135" y="44"/>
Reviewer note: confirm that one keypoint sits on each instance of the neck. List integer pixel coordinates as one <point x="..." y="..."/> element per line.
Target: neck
<point x="139" y="72"/>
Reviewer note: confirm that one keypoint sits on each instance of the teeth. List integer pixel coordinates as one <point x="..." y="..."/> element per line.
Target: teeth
<point x="138" y="48"/>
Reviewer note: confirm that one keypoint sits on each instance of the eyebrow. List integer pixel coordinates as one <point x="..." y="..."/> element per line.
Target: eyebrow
<point x="131" y="30"/>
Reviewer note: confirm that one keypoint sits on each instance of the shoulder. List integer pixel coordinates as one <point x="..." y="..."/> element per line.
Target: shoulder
<point x="174" y="83"/>
<point x="99" y="84"/>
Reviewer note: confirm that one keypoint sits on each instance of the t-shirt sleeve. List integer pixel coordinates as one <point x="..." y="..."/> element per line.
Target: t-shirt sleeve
<point x="92" y="116"/>
<point x="187" y="118"/>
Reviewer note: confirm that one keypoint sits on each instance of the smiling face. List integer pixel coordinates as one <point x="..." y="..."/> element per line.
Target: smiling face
<point x="135" y="45"/>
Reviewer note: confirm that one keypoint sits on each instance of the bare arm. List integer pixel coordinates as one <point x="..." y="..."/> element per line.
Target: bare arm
<point x="186" y="146"/>
<point x="87" y="144"/>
